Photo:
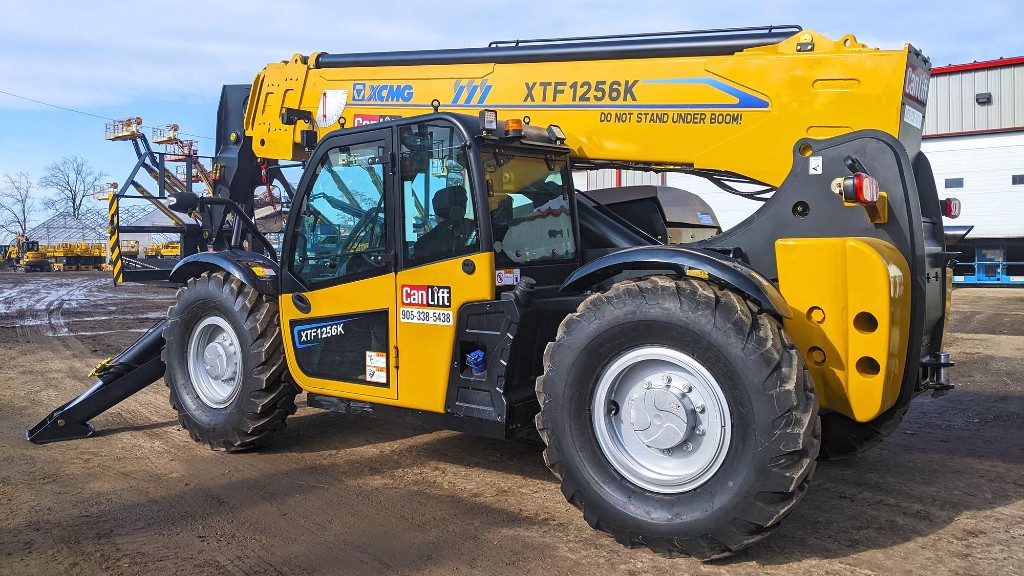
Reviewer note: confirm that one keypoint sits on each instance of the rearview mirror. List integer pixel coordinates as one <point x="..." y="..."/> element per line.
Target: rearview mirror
<point x="268" y="209"/>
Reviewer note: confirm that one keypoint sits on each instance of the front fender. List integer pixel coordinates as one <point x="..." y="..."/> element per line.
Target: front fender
<point x="255" y="270"/>
<point x="679" y="259"/>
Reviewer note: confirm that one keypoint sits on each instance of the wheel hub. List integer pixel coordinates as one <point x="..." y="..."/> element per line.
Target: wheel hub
<point x="673" y="430"/>
<point x="214" y="361"/>
<point x="661" y="416"/>
<point x="218" y="359"/>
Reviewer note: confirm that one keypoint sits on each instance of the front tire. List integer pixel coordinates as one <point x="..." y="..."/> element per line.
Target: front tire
<point x="629" y="380"/>
<point x="225" y="363"/>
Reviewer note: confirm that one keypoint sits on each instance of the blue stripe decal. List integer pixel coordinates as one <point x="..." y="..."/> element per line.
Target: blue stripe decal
<point x="295" y="331"/>
<point x="744" y="99"/>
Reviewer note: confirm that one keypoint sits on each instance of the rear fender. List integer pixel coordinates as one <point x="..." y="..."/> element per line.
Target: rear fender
<point x="254" y="270"/>
<point x="678" y="261"/>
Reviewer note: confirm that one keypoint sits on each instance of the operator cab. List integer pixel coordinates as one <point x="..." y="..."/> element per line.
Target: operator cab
<point x="412" y="192"/>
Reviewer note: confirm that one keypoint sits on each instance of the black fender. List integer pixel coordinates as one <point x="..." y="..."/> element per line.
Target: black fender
<point x="254" y="270"/>
<point x="678" y="259"/>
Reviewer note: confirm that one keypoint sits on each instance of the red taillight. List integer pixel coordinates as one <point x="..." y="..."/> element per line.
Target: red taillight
<point x="860" y="189"/>
<point x="951" y="208"/>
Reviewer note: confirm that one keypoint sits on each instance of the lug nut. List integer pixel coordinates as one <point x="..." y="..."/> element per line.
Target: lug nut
<point x="699" y="408"/>
<point x="699" y="431"/>
<point x="686" y="388"/>
<point x="666" y="379"/>
<point x="647" y="384"/>
<point x="687" y="447"/>
<point x="667" y="451"/>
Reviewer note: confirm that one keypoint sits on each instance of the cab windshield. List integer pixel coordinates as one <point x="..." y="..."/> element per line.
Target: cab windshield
<point x="528" y="201"/>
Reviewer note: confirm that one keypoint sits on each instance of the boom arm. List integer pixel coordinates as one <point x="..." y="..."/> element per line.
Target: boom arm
<point x="736" y="101"/>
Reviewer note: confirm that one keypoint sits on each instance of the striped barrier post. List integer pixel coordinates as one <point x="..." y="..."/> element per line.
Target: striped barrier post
<point x="116" y="266"/>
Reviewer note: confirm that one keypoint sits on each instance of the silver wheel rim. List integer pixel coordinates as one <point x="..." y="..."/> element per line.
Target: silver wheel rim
<point x="661" y="419"/>
<point x="215" y="362"/>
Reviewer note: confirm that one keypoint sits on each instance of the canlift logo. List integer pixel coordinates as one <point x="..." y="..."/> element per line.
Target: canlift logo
<point x="916" y="87"/>
<point x="363" y="92"/>
<point x="427" y="296"/>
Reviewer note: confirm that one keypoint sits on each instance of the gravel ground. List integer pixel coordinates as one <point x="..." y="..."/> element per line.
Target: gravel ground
<point x="346" y="495"/>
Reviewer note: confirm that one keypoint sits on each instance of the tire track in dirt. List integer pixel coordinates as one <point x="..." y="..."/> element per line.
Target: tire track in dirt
<point x="345" y="495"/>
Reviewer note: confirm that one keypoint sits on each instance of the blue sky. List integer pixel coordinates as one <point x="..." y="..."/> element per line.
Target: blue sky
<point x="166" y="61"/>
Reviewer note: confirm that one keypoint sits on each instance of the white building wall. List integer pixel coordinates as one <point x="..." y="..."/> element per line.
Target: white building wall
<point x="952" y="107"/>
<point x="610" y="178"/>
<point x="987" y="163"/>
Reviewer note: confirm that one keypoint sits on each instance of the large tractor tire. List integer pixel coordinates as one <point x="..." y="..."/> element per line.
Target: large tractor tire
<point x="842" y="437"/>
<point x="678" y="416"/>
<point x="225" y="363"/>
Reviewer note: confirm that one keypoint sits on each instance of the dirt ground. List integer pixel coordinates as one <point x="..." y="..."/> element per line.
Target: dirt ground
<point x="348" y="495"/>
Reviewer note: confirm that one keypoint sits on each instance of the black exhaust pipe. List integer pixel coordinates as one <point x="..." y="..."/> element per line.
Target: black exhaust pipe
<point x="132" y="370"/>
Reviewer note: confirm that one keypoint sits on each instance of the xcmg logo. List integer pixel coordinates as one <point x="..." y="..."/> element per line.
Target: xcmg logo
<point x="363" y="92"/>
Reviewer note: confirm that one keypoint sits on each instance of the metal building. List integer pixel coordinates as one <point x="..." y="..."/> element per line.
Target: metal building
<point x="974" y="137"/>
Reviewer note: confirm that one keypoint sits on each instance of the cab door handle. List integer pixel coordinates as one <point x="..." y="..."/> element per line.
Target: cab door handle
<point x="301" y="303"/>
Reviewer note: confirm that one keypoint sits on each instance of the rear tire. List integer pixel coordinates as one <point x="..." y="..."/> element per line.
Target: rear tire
<point x="842" y="437"/>
<point x="225" y="363"/>
<point x="717" y="345"/>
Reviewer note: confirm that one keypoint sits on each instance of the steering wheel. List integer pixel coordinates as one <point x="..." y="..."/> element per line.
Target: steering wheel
<point x="365" y="220"/>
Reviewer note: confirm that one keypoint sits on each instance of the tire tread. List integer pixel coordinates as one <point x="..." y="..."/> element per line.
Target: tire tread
<point x="273" y="399"/>
<point x="797" y="429"/>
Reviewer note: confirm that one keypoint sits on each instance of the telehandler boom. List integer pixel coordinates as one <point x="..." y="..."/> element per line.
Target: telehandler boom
<point x="438" y="266"/>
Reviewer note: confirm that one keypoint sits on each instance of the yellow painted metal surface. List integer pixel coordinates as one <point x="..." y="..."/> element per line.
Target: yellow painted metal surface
<point x="741" y="112"/>
<point x="377" y="293"/>
<point x="426" y="349"/>
<point x="850" y="303"/>
<point x="418" y="375"/>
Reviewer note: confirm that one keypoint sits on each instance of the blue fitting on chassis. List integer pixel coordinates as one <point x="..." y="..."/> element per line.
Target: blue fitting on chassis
<point x="476" y="361"/>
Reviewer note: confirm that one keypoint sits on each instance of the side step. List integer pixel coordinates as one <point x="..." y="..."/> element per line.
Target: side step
<point x="132" y="370"/>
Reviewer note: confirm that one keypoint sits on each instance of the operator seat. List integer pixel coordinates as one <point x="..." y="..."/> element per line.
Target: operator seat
<point x="453" y="234"/>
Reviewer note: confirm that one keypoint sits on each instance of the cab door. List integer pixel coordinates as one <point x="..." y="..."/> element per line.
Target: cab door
<point x="445" y="260"/>
<point x="338" y="291"/>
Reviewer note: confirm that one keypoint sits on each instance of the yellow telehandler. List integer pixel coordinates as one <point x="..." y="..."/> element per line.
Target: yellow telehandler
<point x="439" y="266"/>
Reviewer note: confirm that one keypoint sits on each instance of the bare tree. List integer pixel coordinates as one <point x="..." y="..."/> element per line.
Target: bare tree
<point x="17" y="203"/>
<point x="73" y="179"/>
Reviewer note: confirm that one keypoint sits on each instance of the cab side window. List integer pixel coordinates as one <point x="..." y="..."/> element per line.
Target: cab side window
<point x="342" y="229"/>
<point x="439" y="216"/>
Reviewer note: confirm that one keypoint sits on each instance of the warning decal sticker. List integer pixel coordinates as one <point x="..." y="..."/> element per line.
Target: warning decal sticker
<point x="376" y="367"/>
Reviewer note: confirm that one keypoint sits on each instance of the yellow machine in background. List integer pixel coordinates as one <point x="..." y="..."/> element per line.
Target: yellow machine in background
<point x="26" y="255"/>
<point x="170" y="249"/>
<point x="77" y="256"/>
<point x="162" y="250"/>
<point x="440" y="267"/>
<point x="130" y="248"/>
<point x="34" y="259"/>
